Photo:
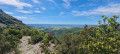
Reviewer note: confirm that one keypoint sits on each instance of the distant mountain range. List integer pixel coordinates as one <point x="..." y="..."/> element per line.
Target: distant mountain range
<point x="57" y="25"/>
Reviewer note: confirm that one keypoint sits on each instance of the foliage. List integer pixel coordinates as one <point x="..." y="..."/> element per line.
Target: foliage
<point x="9" y="39"/>
<point x="58" y="33"/>
<point x="36" y="35"/>
<point x="103" y="39"/>
<point x="11" y="34"/>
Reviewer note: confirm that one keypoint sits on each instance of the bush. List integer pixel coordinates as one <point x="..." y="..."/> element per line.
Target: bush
<point x="103" y="39"/>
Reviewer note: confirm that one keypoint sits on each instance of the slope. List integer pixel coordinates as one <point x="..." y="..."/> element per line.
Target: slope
<point x="8" y="20"/>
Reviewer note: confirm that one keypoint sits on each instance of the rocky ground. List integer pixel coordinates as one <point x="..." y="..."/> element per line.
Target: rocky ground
<point x="26" y="48"/>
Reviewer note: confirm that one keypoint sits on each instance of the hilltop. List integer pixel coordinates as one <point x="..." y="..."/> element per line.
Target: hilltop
<point x="7" y="20"/>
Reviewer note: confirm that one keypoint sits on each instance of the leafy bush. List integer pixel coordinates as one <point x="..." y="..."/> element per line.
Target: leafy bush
<point x="103" y="39"/>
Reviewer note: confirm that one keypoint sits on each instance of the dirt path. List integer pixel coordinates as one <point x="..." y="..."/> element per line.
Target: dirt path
<point x="26" y="48"/>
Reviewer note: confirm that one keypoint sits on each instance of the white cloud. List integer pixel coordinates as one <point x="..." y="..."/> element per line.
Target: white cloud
<point x="35" y="1"/>
<point x="18" y="17"/>
<point x="67" y="3"/>
<point x="103" y="10"/>
<point x="52" y="1"/>
<point x="8" y="12"/>
<point x="37" y="11"/>
<point x="61" y="13"/>
<point x="43" y="8"/>
<point x="22" y="17"/>
<point x="111" y="9"/>
<point x="22" y="11"/>
<point x="56" y="5"/>
<point x="15" y="3"/>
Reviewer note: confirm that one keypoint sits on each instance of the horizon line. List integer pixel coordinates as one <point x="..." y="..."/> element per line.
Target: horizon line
<point x="66" y="24"/>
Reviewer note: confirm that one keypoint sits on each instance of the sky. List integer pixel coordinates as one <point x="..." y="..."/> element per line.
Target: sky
<point x="60" y="11"/>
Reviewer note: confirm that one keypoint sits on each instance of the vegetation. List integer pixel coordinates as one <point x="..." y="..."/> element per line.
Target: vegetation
<point x="12" y="32"/>
<point x="103" y="39"/>
<point x="36" y="35"/>
<point x="59" y="33"/>
<point x="9" y="39"/>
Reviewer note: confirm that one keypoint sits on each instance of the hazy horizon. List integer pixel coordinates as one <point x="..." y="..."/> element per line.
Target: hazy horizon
<point x="76" y="24"/>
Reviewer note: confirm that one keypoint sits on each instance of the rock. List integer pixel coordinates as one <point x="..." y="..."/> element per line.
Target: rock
<point x="26" y="48"/>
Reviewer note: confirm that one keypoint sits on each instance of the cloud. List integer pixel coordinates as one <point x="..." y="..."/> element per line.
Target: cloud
<point x="15" y="3"/>
<point x="22" y="11"/>
<point x="43" y="8"/>
<point x="8" y="12"/>
<point x="61" y="13"/>
<point x="37" y="11"/>
<point x="67" y="3"/>
<point x="22" y="17"/>
<point x="18" y="17"/>
<point x="102" y="10"/>
<point x="56" y="4"/>
<point x="35" y="1"/>
<point x="52" y="1"/>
